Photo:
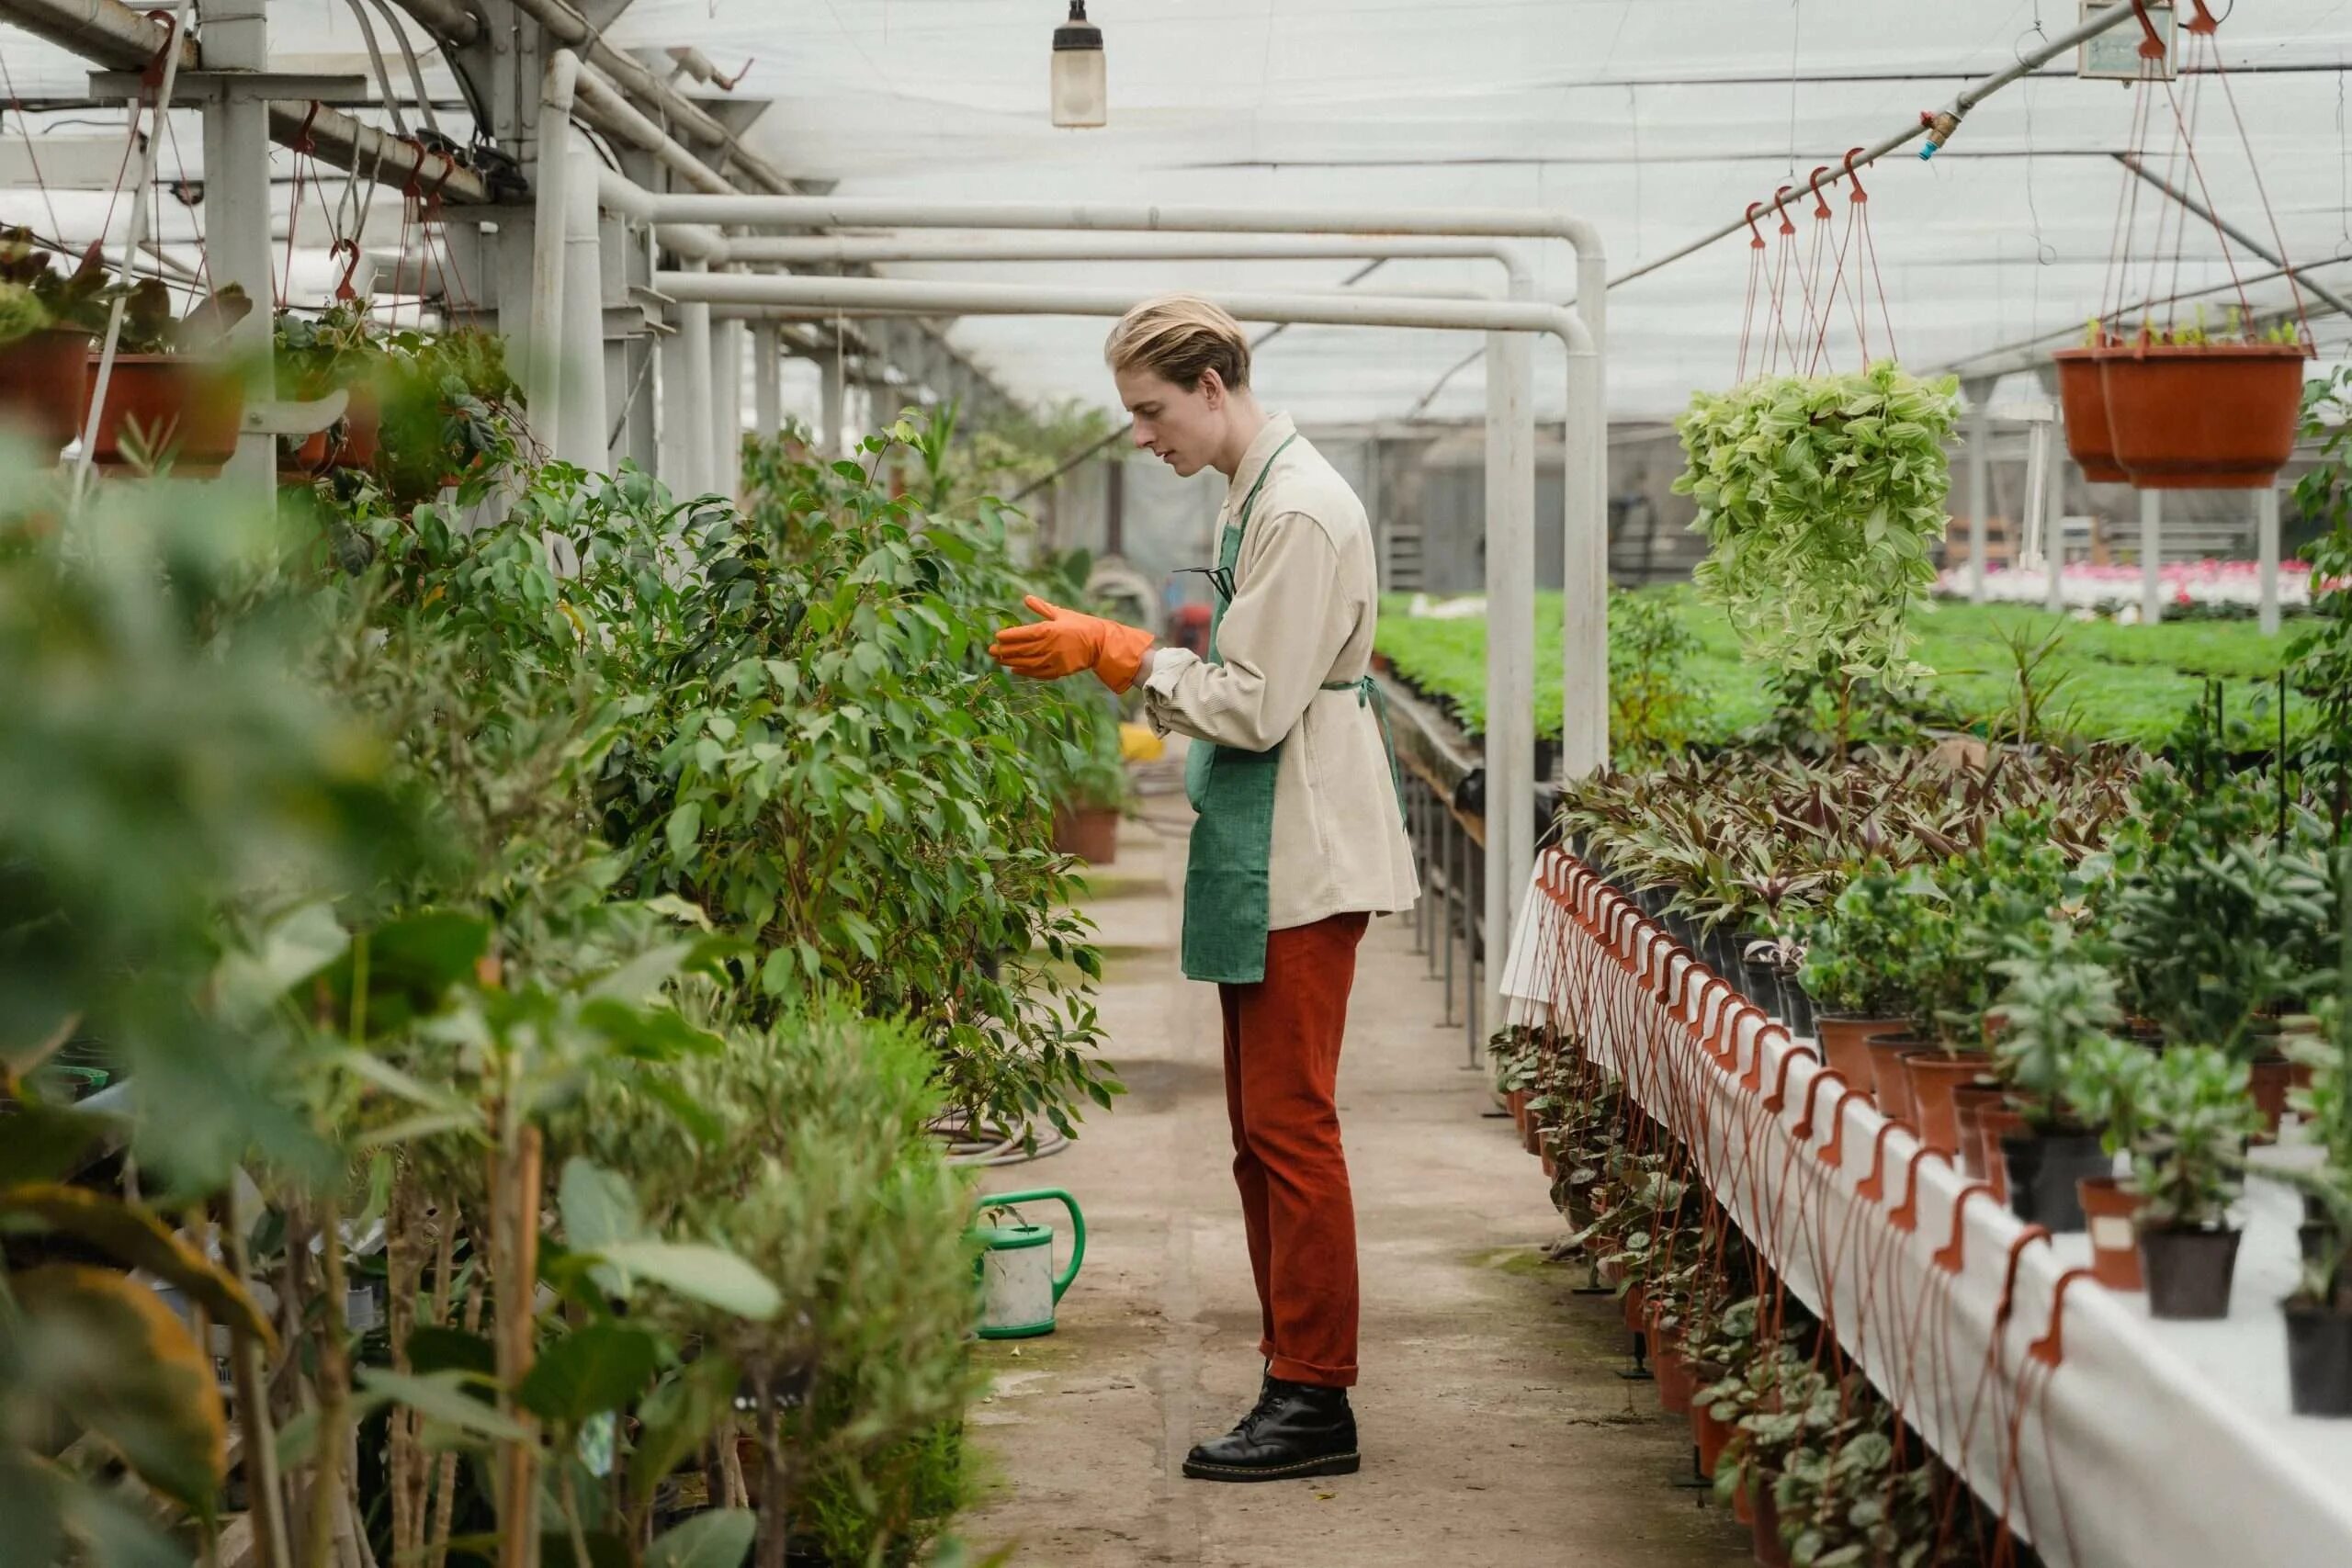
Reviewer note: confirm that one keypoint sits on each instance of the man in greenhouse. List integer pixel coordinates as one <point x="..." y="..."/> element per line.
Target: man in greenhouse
<point x="1300" y="838"/>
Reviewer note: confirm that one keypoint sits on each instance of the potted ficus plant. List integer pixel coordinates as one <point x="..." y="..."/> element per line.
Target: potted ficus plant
<point x="2187" y="1170"/>
<point x="172" y="393"/>
<point x="449" y="415"/>
<point x="2192" y="409"/>
<point x="47" y="318"/>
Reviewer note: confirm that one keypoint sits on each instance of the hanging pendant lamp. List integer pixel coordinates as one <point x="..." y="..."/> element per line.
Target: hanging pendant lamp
<point x="1081" y="98"/>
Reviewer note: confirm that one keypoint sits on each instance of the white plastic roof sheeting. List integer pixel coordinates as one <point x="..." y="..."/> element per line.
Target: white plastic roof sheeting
<point x="1657" y="120"/>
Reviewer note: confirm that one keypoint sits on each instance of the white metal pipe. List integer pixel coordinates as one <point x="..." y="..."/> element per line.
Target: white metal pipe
<point x="625" y="199"/>
<point x="830" y="396"/>
<point x="586" y="439"/>
<point x="1980" y="435"/>
<point x="626" y="119"/>
<point x="950" y="298"/>
<point x="1510" y="644"/>
<point x="2033" y="542"/>
<point x="726" y="427"/>
<point x="2053" y="523"/>
<point x="552" y="174"/>
<point x="2152" y="528"/>
<point x="767" y="387"/>
<point x="866" y="250"/>
<point x="2265" y="545"/>
<point x="693" y="333"/>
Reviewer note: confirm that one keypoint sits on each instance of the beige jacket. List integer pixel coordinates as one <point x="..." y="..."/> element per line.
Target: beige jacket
<point x="1305" y="599"/>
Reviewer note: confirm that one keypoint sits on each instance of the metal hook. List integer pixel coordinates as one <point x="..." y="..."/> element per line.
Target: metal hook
<point x="1906" y="1214"/>
<point x="1833" y="1153"/>
<point x="2204" y="22"/>
<point x="2010" y="1283"/>
<point x="1757" y="243"/>
<point x="2051" y="1348"/>
<point x="2152" y="46"/>
<point x="1781" y="200"/>
<point x="1855" y="176"/>
<point x="1820" y="202"/>
<point x="1954" y="1253"/>
<point x="343" y="288"/>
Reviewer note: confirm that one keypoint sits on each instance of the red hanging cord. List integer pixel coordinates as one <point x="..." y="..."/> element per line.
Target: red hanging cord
<point x="1755" y="249"/>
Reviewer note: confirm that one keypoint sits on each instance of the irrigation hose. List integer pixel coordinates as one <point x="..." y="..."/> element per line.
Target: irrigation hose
<point x="996" y="1144"/>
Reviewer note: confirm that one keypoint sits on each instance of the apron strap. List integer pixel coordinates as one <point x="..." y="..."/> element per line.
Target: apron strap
<point x="1368" y="690"/>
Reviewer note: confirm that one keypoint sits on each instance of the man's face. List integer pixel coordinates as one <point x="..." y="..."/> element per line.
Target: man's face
<point x="1181" y="428"/>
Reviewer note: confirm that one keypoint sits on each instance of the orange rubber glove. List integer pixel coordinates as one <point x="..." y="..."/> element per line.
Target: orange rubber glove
<point x="1066" y="642"/>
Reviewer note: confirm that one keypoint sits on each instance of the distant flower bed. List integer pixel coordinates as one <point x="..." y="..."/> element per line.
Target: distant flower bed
<point x="2214" y="584"/>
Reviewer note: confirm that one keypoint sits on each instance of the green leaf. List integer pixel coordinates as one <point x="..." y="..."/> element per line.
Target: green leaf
<point x="719" y="1538"/>
<point x="601" y="1367"/>
<point x="677" y="1417"/>
<point x="435" y="1347"/>
<point x="684" y="828"/>
<point x="599" y="1206"/>
<point x="704" y="1274"/>
<point x="443" y="1397"/>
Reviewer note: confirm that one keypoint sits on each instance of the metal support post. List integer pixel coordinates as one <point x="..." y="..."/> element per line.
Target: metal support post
<point x="236" y="185"/>
<point x="2265" y="545"/>
<point x="1980" y="475"/>
<point x="694" y="442"/>
<point x="726" y="426"/>
<point x="1448" y="830"/>
<point x="766" y="379"/>
<point x="830" y="390"/>
<point x="1511" y="634"/>
<point x="2152" y="526"/>
<point x="2053" y="525"/>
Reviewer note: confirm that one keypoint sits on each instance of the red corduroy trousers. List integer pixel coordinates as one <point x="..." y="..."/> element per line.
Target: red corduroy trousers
<point x="1282" y="1067"/>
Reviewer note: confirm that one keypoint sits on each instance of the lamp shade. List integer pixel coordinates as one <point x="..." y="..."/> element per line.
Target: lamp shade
<point x="1080" y="95"/>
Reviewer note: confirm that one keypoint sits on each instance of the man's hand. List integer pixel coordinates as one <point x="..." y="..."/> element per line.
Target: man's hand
<point x="1066" y="641"/>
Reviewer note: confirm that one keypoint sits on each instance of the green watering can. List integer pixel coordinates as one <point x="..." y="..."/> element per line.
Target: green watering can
<point x="1018" y="1286"/>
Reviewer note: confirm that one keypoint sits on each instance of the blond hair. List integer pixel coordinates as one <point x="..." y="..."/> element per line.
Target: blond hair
<point x="1179" y="337"/>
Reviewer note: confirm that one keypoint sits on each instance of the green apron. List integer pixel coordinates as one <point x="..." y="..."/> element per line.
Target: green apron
<point x="1226" y="877"/>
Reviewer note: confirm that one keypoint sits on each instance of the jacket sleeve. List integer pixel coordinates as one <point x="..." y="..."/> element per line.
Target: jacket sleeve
<point x="1277" y="640"/>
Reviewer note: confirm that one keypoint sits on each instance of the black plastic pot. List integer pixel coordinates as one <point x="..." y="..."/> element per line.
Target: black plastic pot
<point x="1796" y="1007"/>
<point x="2188" y="1272"/>
<point x="1762" y="982"/>
<point x="2312" y="1239"/>
<point x="2043" y="1173"/>
<point x="2319" y="1360"/>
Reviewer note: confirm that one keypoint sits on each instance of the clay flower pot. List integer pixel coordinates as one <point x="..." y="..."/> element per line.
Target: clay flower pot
<point x="1675" y="1384"/>
<point x="1845" y="1042"/>
<point x="1934" y="1081"/>
<point x="1764" y="1530"/>
<point x="187" y="410"/>
<point x="2083" y="395"/>
<point x="1970" y="1102"/>
<point x="2108" y="1212"/>
<point x="1636" y="1308"/>
<point x="45" y="386"/>
<point x="2319" y="1360"/>
<point x="1708" y="1433"/>
<point x="2188" y="1272"/>
<point x="1891" y="1085"/>
<point x="1517" y="1099"/>
<point x="1994" y="1124"/>
<point x="2273" y="1075"/>
<point x="2202" y="416"/>
<point x="1089" y="832"/>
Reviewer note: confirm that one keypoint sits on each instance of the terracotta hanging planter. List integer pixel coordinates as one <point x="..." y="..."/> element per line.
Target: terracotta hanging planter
<point x="2082" y="394"/>
<point x="1764" y="1536"/>
<point x="1517" y="1099"/>
<point x="2108" y="1214"/>
<point x="183" y="409"/>
<point x="45" y="386"/>
<point x="2202" y="416"/>
<point x="1675" y="1384"/>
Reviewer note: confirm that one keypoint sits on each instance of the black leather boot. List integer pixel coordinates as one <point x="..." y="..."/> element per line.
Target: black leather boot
<point x="1297" y="1429"/>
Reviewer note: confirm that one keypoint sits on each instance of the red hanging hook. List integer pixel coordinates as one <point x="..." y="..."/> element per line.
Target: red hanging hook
<point x="1954" y="1253"/>
<point x="1757" y="241"/>
<point x="302" y="143"/>
<point x="2152" y="46"/>
<point x="1906" y="1214"/>
<point x="2010" y="1282"/>
<point x="1833" y="1153"/>
<point x="2051" y="1348"/>
<point x="1855" y="176"/>
<point x="1820" y="202"/>
<point x="2203" y="22"/>
<point x="343" y="288"/>
<point x="150" y="75"/>
<point x="1781" y="200"/>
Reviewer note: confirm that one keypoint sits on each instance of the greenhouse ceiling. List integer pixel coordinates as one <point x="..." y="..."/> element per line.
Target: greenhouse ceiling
<point x="1657" y="120"/>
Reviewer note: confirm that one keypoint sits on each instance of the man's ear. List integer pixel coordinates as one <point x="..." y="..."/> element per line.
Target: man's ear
<point x="1212" y="387"/>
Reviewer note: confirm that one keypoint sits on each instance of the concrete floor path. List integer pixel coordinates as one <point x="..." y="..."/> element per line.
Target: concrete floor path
<point x="1495" y="1429"/>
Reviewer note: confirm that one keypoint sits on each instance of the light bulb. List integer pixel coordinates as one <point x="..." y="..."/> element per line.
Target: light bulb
<point x="1080" y="95"/>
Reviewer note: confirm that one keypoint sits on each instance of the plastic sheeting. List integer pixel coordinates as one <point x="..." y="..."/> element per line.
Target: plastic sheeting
<point x="1658" y="119"/>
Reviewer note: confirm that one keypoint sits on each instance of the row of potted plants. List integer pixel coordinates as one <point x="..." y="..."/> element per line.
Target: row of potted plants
<point x="1795" y="1440"/>
<point x="425" y="411"/>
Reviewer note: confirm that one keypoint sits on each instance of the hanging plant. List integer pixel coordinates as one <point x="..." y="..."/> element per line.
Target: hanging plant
<point x="44" y="339"/>
<point x="171" y="395"/>
<point x="2189" y="409"/>
<point x="1821" y="498"/>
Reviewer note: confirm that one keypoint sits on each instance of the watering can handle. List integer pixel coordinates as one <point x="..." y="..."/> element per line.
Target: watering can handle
<point x="1076" y="1223"/>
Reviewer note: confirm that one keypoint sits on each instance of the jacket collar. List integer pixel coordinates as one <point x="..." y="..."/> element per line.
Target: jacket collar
<point x="1260" y="452"/>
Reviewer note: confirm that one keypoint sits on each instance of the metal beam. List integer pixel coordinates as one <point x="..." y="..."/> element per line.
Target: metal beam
<point x="447" y="20"/>
<point x="2132" y="163"/>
